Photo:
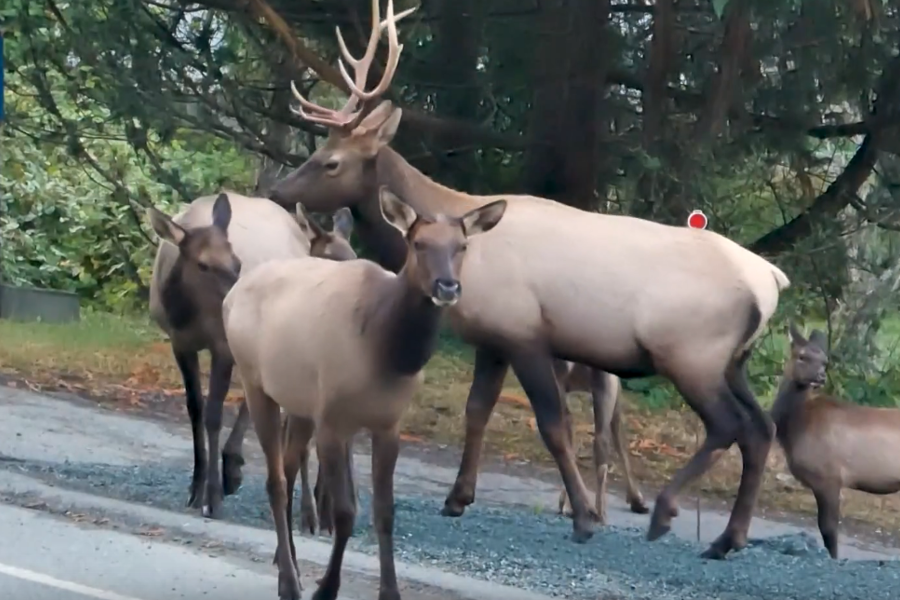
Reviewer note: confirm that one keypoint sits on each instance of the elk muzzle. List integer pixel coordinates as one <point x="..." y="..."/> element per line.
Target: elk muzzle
<point x="229" y="277"/>
<point x="820" y="379"/>
<point x="446" y="292"/>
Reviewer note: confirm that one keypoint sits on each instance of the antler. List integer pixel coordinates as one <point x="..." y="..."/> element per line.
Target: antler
<point x="348" y="117"/>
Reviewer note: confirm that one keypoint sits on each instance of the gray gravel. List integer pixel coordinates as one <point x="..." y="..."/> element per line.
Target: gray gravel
<point x="528" y="548"/>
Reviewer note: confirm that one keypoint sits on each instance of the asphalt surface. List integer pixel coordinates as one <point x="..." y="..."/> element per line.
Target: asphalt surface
<point x="120" y="477"/>
<point x="48" y="557"/>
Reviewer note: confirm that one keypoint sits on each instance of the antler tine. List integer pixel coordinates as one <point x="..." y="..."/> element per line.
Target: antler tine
<point x="318" y="114"/>
<point x="362" y="65"/>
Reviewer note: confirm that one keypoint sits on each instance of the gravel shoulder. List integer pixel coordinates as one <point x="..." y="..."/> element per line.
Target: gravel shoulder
<point x="70" y="457"/>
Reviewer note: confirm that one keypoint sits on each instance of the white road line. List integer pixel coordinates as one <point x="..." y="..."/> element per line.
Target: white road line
<point x="69" y="586"/>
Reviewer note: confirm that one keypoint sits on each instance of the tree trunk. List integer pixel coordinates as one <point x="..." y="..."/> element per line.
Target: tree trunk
<point x="572" y="60"/>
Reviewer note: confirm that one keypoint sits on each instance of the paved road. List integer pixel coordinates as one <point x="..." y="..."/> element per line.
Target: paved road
<point x="37" y="427"/>
<point x="71" y="545"/>
<point x="47" y="557"/>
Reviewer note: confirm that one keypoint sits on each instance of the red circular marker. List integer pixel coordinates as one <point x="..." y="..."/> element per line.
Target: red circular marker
<point x="697" y="220"/>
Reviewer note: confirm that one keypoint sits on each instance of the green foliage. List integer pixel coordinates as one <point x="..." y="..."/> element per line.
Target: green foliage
<point x="71" y="213"/>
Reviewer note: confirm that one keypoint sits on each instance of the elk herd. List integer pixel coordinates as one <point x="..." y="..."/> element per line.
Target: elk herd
<point x="569" y="300"/>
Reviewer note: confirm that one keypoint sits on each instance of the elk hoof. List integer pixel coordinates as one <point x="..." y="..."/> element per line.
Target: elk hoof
<point x="581" y="535"/>
<point x="232" y="477"/>
<point x="324" y="592"/>
<point x="452" y="510"/>
<point x="308" y="520"/>
<point x="393" y="594"/>
<point x="289" y="587"/>
<point x="724" y="544"/>
<point x="714" y="553"/>
<point x="457" y="501"/>
<point x="638" y="506"/>
<point x="213" y="510"/>
<point x="195" y="500"/>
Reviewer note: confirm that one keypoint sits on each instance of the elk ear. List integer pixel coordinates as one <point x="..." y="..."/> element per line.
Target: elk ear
<point x="221" y="213"/>
<point x="484" y="218"/>
<point x="378" y="129"/>
<point x="342" y="222"/>
<point x="818" y="339"/>
<point x="797" y="338"/>
<point x="388" y="128"/>
<point x="308" y="226"/>
<point x="166" y="228"/>
<point x="395" y="211"/>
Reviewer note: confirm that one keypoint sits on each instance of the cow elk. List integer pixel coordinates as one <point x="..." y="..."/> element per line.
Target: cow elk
<point x="831" y="444"/>
<point x="628" y="296"/>
<point x="342" y="345"/>
<point x="202" y="251"/>
<point x="605" y="391"/>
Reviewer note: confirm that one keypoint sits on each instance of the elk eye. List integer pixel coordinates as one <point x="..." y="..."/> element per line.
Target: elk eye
<point x="332" y="165"/>
<point x="462" y="248"/>
<point x="418" y="245"/>
<point x="203" y="266"/>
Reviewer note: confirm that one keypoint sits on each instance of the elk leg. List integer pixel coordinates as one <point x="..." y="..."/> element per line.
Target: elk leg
<point x="323" y="502"/>
<point x="565" y="507"/>
<point x="385" y="449"/>
<point x="828" y="503"/>
<point x="233" y="452"/>
<point x="755" y="441"/>
<point x="604" y="396"/>
<point x="534" y="369"/>
<point x="189" y="365"/>
<point x="296" y="458"/>
<point x="490" y="371"/>
<point x="633" y="494"/>
<point x="339" y="479"/>
<point x="266" y="416"/>
<point x="219" y="382"/>
<point x="722" y="427"/>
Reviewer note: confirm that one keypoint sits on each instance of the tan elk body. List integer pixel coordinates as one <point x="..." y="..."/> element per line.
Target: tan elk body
<point x="187" y="305"/>
<point x="831" y="444"/>
<point x="342" y="345"/>
<point x="615" y="293"/>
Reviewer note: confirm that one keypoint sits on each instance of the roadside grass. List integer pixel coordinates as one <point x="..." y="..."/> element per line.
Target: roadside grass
<point x="122" y="359"/>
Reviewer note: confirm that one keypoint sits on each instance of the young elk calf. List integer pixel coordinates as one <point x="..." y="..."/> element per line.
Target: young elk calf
<point x="832" y="444"/>
<point x="605" y="389"/>
<point x="343" y="344"/>
<point x="197" y="263"/>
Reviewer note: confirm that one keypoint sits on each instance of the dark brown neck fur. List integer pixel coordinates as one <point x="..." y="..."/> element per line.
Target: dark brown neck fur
<point x="405" y="324"/>
<point x="176" y="301"/>
<point x="787" y="410"/>
<point x="384" y="243"/>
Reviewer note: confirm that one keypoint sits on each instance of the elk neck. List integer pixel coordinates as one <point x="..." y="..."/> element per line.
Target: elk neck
<point x="184" y="299"/>
<point x="787" y="409"/>
<point x="425" y="195"/>
<point x="403" y="323"/>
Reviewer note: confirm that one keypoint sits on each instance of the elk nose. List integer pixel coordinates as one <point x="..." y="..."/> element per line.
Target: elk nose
<point x="446" y="292"/>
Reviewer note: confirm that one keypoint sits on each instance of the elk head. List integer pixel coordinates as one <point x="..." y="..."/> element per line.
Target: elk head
<point x="334" y="244"/>
<point x="808" y="361"/>
<point x="205" y="251"/>
<point x="342" y="172"/>
<point x="436" y="246"/>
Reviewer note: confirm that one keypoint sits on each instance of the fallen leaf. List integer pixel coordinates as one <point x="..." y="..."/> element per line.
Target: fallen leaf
<point x="515" y="400"/>
<point x="153" y="532"/>
<point x="407" y="437"/>
<point x="532" y="422"/>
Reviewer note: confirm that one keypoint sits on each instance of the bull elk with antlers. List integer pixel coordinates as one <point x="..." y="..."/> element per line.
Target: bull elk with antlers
<point x="628" y="296"/>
